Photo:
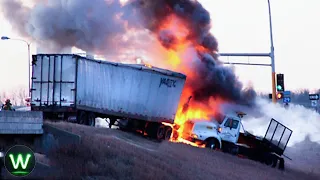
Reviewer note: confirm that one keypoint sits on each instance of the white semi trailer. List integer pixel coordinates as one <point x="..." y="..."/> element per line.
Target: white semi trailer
<point x="78" y="89"/>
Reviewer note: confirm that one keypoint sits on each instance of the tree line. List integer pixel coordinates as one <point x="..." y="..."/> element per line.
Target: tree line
<point x="18" y="96"/>
<point x="300" y="97"/>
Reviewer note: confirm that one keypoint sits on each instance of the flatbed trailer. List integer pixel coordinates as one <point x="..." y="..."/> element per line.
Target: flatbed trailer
<point x="269" y="149"/>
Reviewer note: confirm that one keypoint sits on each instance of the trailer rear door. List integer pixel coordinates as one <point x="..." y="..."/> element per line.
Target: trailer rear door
<point x="53" y="80"/>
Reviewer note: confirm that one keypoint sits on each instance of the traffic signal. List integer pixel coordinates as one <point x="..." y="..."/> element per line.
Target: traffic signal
<point x="279" y="95"/>
<point x="280" y="82"/>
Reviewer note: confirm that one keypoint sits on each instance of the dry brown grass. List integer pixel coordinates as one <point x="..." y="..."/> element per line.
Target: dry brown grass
<point x="102" y="156"/>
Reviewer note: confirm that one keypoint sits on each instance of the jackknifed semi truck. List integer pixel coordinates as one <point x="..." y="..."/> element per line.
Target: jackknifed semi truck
<point x="79" y="89"/>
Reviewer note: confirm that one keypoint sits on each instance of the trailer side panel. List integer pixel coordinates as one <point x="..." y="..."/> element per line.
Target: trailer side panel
<point x="65" y="83"/>
<point x="128" y="90"/>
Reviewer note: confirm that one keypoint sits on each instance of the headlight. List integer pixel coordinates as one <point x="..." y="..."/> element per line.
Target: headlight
<point x="194" y="135"/>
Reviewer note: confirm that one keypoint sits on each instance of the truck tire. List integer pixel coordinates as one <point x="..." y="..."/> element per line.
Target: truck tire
<point x="82" y="117"/>
<point x="274" y="160"/>
<point x="168" y="133"/>
<point x="91" y="121"/>
<point x="234" y="150"/>
<point x="111" y="122"/>
<point x="212" y="144"/>
<point x="270" y="159"/>
<point x="161" y="130"/>
<point x="281" y="164"/>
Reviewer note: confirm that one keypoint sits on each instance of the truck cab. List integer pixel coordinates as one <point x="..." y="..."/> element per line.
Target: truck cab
<point x="213" y="134"/>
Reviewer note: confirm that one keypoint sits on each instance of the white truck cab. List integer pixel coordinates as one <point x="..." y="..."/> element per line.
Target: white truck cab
<point x="211" y="133"/>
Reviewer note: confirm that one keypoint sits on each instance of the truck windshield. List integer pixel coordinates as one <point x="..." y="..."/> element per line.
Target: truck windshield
<point x="219" y="119"/>
<point x="231" y="123"/>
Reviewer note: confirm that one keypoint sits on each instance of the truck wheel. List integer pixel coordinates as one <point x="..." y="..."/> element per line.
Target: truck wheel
<point x="268" y="162"/>
<point x="274" y="161"/>
<point x="111" y="122"/>
<point x="234" y="150"/>
<point x="161" y="129"/>
<point x="91" y="121"/>
<point x="212" y="144"/>
<point x="82" y="117"/>
<point x="281" y="164"/>
<point x="268" y="159"/>
<point x="168" y="133"/>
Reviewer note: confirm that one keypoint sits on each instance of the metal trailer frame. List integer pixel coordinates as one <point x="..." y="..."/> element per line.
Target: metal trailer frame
<point x="277" y="143"/>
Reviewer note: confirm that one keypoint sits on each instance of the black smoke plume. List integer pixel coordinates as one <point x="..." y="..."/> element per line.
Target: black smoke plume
<point x="104" y="26"/>
<point x="212" y="79"/>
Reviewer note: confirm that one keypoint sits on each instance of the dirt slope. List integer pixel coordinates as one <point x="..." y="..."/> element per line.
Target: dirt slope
<point x="112" y="154"/>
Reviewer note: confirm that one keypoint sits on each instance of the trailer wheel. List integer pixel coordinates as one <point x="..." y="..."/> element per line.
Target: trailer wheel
<point x="274" y="161"/>
<point x="281" y="164"/>
<point x="91" y="121"/>
<point x="168" y="133"/>
<point x="212" y="144"/>
<point x="268" y="161"/>
<point x="82" y="117"/>
<point x="111" y="122"/>
<point x="161" y="131"/>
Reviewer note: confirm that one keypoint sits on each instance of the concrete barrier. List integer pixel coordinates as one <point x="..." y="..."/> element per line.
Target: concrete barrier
<point x="20" y="122"/>
<point x="54" y="137"/>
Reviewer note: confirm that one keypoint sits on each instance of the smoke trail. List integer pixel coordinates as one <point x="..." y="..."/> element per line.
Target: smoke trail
<point x="108" y="27"/>
<point x="93" y="25"/>
<point x="211" y="78"/>
<point x="303" y="122"/>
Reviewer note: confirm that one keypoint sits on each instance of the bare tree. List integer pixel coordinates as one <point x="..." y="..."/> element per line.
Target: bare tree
<point x="17" y="96"/>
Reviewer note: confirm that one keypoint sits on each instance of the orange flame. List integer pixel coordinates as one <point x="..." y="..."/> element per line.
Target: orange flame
<point x="190" y="111"/>
<point x="174" y="56"/>
<point x="148" y="65"/>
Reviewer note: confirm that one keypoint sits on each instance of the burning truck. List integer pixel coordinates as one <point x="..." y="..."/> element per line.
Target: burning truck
<point x="174" y="35"/>
<point x="145" y="99"/>
<point x="228" y="134"/>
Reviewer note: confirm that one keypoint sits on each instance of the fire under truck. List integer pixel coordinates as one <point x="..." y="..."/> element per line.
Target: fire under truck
<point x="227" y="137"/>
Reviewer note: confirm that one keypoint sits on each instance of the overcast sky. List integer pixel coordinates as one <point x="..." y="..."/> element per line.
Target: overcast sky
<point x="240" y="26"/>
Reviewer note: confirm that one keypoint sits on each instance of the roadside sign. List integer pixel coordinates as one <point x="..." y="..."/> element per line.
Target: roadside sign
<point x="314" y="97"/>
<point x="286" y="93"/>
<point x="314" y="103"/>
<point x="286" y="99"/>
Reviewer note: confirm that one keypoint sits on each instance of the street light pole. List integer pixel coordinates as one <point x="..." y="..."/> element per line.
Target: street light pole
<point x="29" y="60"/>
<point x="29" y="74"/>
<point x="273" y="68"/>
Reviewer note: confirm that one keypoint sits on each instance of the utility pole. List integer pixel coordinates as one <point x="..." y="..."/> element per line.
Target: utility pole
<point x="273" y="68"/>
<point x="270" y="54"/>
